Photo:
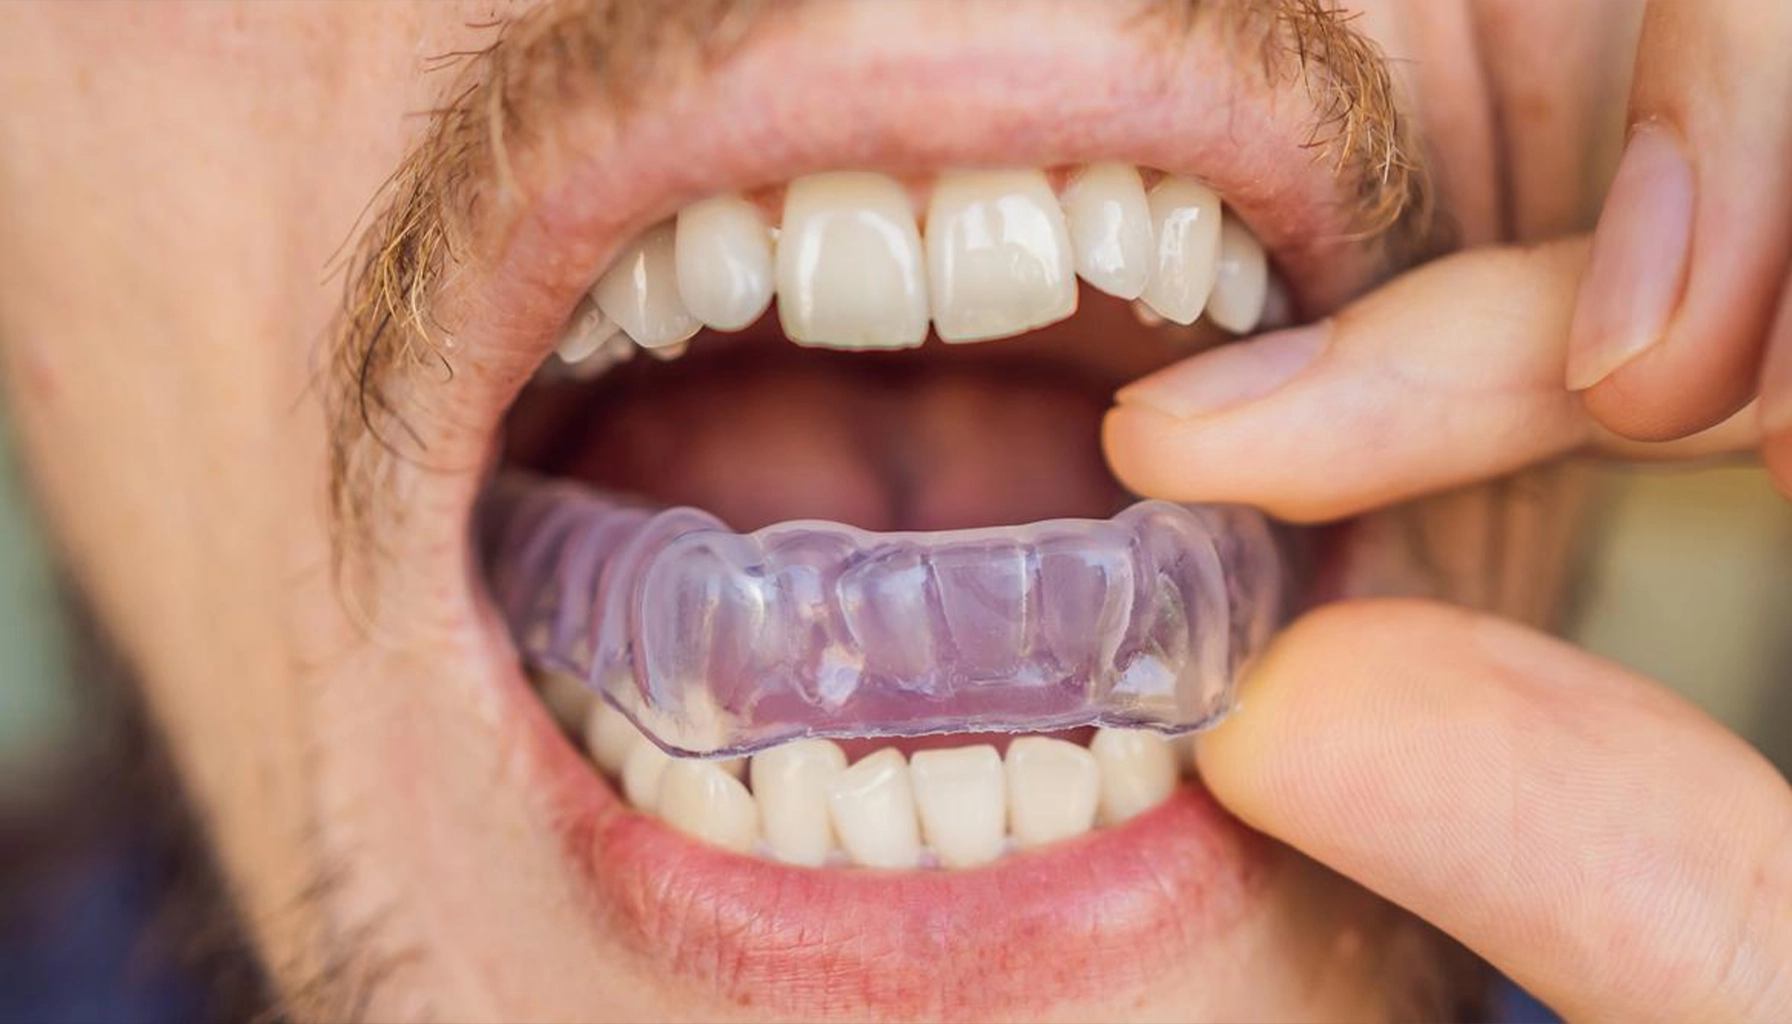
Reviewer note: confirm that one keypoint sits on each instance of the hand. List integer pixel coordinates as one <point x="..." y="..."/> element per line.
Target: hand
<point x="1686" y="311"/>
<point x="1600" y="840"/>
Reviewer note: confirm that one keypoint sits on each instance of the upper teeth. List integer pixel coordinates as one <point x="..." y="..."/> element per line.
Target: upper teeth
<point x="957" y="807"/>
<point x="999" y="256"/>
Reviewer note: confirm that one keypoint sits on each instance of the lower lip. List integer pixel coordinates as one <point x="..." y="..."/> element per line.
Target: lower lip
<point x="1101" y="916"/>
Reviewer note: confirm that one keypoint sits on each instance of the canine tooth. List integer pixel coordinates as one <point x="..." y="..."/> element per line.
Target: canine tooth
<point x="791" y="784"/>
<point x="1185" y="217"/>
<point x="640" y="292"/>
<point x="964" y="809"/>
<point x="1110" y="228"/>
<point x="1053" y="789"/>
<point x="586" y="334"/>
<point x="642" y="770"/>
<point x="849" y="268"/>
<point x="610" y="737"/>
<point x="1138" y="771"/>
<point x="701" y="799"/>
<point x="615" y="350"/>
<point x="873" y="810"/>
<point x="724" y="262"/>
<point x="1242" y="282"/>
<point x="998" y="255"/>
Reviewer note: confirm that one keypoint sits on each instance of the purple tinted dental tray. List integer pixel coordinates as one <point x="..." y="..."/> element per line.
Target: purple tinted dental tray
<point x="718" y="643"/>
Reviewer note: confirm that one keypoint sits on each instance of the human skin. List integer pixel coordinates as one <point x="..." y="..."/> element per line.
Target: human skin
<point x="1644" y="853"/>
<point x="175" y="180"/>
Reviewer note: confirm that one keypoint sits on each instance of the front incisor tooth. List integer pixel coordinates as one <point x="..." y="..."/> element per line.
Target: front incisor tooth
<point x="1185" y="217"/>
<point x="1242" y="284"/>
<point x="873" y="810"/>
<point x="724" y="262"/>
<point x="1110" y="228"/>
<point x="1138" y="772"/>
<point x="1054" y="788"/>
<point x="641" y="773"/>
<point x="998" y="255"/>
<point x="962" y="801"/>
<point x="639" y="292"/>
<point x="791" y="785"/>
<point x="609" y="737"/>
<point x="701" y="799"/>
<point x="849" y="267"/>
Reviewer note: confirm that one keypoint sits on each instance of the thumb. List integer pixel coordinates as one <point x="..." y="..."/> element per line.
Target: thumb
<point x="1595" y="837"/>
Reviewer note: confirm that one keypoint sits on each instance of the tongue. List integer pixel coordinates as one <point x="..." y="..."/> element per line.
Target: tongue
<point x="856" y="439"/>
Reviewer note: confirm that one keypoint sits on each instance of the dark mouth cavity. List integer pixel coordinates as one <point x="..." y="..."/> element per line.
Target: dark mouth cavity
<point x="756" y="429"/>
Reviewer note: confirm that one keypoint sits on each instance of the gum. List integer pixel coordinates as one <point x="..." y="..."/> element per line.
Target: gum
<point x="719" y="644"/>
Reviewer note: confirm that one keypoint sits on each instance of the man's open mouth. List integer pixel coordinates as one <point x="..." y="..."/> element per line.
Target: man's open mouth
<point x="880" y="661"/>
<point x="963" y="618"/>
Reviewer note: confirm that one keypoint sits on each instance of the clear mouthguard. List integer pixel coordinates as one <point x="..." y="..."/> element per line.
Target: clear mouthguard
<point x="719" y="644"/>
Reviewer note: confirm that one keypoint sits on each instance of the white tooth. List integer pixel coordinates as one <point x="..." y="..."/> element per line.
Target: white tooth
<point x="640" y="292"/>
<point x="735" y="766"/>
<point x="701" y="799"/>
<point x="1138" y="771"/>
<point x="567" y="699"/>
<point x="616" y="349"/>
<point x="667" y="353"/>
<point x="964" y="807"/>
<point x="1185" y="217"/>
<point x="641" y="772"/>
<point x="724" y="262"/>
<point x="850" y="273"/>
<point x="585" y="334"/>
<point x="1053" y="790"/>
<point x="791" y="784"/>
<point x="1242" y="284"/>
<point x="609" y="737"/>
<point x="1110" y="228"/>
<point x="998" y="255"/>
<point x="873" y="810"/>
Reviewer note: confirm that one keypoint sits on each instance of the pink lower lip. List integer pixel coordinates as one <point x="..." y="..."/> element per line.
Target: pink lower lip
<point x="1092" y="917"/>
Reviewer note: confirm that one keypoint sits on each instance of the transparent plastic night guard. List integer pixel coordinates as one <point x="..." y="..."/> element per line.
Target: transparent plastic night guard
<point x="718" y="643"/>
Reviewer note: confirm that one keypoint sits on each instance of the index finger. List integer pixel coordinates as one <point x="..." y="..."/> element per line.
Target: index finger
<point x="1449" y="374"/>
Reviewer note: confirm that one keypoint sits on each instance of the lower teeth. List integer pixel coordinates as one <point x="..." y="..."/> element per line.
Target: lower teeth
<point x="802" y="803"/>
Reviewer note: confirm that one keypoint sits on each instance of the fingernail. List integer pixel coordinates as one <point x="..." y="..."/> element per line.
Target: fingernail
<point x="1228" y="376"/>
<point x="1638" y="264"/>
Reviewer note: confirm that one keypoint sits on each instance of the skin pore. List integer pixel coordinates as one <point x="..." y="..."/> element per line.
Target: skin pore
<point x="184" y="191"/>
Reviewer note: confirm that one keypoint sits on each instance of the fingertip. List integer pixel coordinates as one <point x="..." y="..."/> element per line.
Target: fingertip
<point x="1267" y="761"/>
<point x="1675" y="390"/>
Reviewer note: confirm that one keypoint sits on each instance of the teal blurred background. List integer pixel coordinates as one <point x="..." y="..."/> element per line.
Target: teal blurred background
<point x="1687" y="581"/>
